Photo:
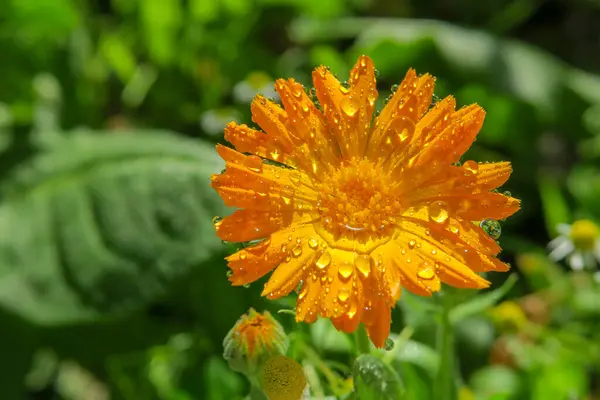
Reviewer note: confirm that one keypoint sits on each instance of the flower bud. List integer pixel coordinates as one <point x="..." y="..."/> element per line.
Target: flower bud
<point x="252" y="341"/>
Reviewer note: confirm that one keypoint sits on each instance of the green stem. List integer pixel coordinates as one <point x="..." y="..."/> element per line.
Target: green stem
<point x="255" y="391"/>
<point x="444" y="388"/>
<point x="363" y="344"/>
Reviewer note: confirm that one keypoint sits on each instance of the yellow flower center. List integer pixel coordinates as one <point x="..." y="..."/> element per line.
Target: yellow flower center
<point x="584" y="234"/>
<point x="358" y="201"/>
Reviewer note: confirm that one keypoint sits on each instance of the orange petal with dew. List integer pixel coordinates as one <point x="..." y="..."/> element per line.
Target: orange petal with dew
<point x="308" y="124"/>
<point x="477" y="207"/>
<point x="299" y="261"/>
<point x="404" y="109"/>
<point x="378" y="327"/>
<point x="252" y="263"/>
<point x="348" y="110"/>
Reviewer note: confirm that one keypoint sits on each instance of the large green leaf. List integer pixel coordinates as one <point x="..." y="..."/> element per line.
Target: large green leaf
<point x="102" y="223"/>
<point x="375" y="380"/>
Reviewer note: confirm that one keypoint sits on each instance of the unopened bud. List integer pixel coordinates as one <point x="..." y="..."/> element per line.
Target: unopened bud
<point x="252" y="341"/>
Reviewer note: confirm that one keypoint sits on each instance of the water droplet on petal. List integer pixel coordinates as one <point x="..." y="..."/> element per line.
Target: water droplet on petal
<point x="426" y="272"/>
<point x="324" y="260"/>
<point x="411" y="244"/>
<point x="507" y="193"/>
<point x="471" y="167"/>
<point x="297" y="89"/>
<point x="491" y="227"/>
<point x="297" y="251"/>
<point x="254" y="163"/>
<point x="363" y="264"/>
<point x="313" y="243"/>
<point x="454" y="228"/>
<point x="438" y="212"/>
<point x="345" y="271"/>
<point x="349" y="106"/>
<point x="343" y="295"/>
<point x="217" y="221"/>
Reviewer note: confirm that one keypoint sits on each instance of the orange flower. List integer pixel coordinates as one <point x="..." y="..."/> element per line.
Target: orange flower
<point x="355" y="210"/>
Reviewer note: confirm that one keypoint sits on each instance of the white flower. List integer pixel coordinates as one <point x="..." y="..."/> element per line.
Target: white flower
<point x="579" y="243"/>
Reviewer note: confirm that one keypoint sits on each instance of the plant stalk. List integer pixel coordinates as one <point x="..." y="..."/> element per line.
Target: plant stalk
<point x="445" y="388"/>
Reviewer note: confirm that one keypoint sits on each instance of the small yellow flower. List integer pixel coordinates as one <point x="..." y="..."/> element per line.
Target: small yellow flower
<point x="579" y="243"/>
<point x="508" y="316"/>
<point x="254" y="338"/>
<point x="465" y="394"/>
<point x="356" y="208"/>
<point x="283" y="379"/>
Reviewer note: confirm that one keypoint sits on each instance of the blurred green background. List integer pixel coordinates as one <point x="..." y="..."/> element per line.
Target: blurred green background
<point x="112" y="282"/>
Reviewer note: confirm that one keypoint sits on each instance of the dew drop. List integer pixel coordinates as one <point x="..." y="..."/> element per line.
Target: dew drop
<point x="411" y="244"/>
<point x="343" y="295"/>
<point x="507" y="193"/>
<point x="283" y="248"/>
<point x="297" y="251"/>
<point x="243" y="256"/>
<point x="217" y="221"/>
<point x="491" y="227"/>
<point x="349" y="106"/>
<point x="313" y="243"/>
<point x="295" y="177"/>
<point x="471" y="167"/>
<point x="389" y="344"/>
<point x="324" y="260"/>
<point x="246" y="286"/>
<point x="425" y="272"/>
<point x="345" y="271"/>
<point x="438" y="212"/>
<point x="254" y="163"/>
<point x="229" y="273"/>
<point x="371" y="97"/>
<point x="297" y="90"/>
<point x="363" y="264"/>
<point x="454" y="228"/>
<point x="275" y="154"/>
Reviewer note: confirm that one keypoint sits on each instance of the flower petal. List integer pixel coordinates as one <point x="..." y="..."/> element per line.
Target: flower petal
<point x="451" y="143"/>
<point x="460" y="180"/>
<point x="348" y="111"/>
<point x="395" y="127"/>
<point x="449" y="260"/>
<point x="309" y="126"/>
<point x="299" y="261"/>
<point x="477" y="207"/>
<point x="377" y="320"/>
<point x="252" y="263"/>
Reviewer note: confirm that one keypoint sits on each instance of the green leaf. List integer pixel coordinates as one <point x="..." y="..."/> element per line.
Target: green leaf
<point x="101" y="224"/>
<point x="418" y="386"/>
<point x="119" y="56"/>
<point x="584" y="184"/>
<point x="374" y="380"/>
<point x="561" y="381"/>
<point x="556" y="210"/>
<point x="327" y="338"/>
<point x="496" y="380"/>
<point x="419" y="354"/>
<point x="222" y="383"/>
<point x="481" y="302"/>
